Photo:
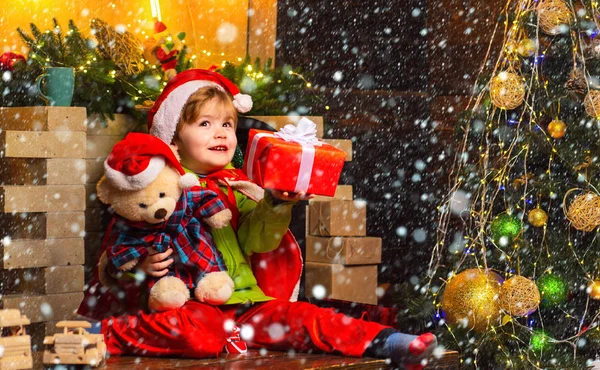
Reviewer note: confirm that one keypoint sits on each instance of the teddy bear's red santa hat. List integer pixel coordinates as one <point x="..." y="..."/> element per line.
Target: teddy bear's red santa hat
<point x="136" y="161"/>
<point x="164" y="115"/>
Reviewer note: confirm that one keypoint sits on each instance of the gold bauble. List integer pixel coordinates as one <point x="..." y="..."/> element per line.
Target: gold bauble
<point x="594" y="289"/>
<point x="519" y="296"/>
<point x="537" y="217"/>
<point x="557" y="129"/>
<point x="526" y="48"/>
<point x="592" y="103"/>
<point x="471" y="299"/>
<point x="507" y="90"/>
<point x="552" y="14"/>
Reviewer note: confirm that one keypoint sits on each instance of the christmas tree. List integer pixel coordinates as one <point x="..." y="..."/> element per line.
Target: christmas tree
<point x="515" y="274"/>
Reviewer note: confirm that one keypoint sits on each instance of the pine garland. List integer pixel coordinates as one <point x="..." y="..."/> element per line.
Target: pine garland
<point x="105" y="84"/>
<point x="98" y="86"/>
<point x="275" y="91"/>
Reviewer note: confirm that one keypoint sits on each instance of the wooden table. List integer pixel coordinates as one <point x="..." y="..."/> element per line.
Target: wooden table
<point x="254" y="360"/>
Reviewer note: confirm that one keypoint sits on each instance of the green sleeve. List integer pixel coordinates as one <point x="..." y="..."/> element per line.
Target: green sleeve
<point x="262" y="225"/>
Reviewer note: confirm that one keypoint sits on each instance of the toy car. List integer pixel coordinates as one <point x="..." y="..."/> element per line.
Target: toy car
<point x="74" y="346"/>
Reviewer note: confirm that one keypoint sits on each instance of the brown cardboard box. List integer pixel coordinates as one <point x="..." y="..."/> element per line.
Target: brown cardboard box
<point x="43" y="144"/>
<point x="27" y="253"/>
<point x="277" y="122"/>
<point x="345" y="251"/>
<point x="343" y="145"/>
<point x="43" y="118"/>
<point x="43" y="198"/>
<point x="337" y="218"/>
<point x="342" y="192"/>
<point x="346" y="283"/>
<point x="48" y="280"/>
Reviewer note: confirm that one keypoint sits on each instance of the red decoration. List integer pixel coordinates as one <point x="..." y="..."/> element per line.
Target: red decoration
<point x="8" y="60"/>
<point x="274" y="163"/>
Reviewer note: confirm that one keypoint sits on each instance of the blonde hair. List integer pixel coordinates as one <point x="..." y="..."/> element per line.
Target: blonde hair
<point x="193" y="106"/>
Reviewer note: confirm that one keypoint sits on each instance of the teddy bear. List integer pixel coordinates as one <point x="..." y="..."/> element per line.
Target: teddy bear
<point x="158" y="206"/>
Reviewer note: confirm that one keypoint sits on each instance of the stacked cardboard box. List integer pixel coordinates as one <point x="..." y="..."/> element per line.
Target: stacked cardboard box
<point x="42" y="205"/>
<point x="101" y="137"/>
<point x="341" y="261"/>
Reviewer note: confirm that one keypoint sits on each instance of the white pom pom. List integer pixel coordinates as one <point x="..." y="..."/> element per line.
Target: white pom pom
<point x="188" y="180"/>
<point x="242" y="102"/>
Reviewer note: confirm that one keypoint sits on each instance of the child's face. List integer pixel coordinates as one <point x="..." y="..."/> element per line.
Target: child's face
<point x="207" y="145"/>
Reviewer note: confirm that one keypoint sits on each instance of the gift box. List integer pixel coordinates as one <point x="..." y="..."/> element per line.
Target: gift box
<point x="345" y="283"/>
<point x="337" y="218"/>
<point x="343" y="251"/>
<point x="293" y="159"/>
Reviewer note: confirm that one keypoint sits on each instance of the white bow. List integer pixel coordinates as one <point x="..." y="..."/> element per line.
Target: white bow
<point x="304" y="133"/>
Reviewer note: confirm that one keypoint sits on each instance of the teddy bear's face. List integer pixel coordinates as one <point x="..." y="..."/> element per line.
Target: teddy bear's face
<point x="154" y="204"/>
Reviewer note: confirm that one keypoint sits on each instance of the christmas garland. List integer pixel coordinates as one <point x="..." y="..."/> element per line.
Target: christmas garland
<point x="113" y="76"/>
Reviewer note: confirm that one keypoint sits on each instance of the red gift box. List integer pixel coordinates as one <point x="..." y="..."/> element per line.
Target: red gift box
<point x="274" y="163"/>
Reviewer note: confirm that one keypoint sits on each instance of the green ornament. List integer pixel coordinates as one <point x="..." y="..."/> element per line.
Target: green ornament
<point x="540" y="341"/>
<point x="553" y="289"/>
<point x="238" y="158"/>
<point x="505" y="228"/>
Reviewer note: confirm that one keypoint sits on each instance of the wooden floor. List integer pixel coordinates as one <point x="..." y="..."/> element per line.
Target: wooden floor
<point x="253" y="360"/>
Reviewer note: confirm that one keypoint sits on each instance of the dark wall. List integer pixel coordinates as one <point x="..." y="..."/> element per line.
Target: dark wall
<point x="394" y="74"/>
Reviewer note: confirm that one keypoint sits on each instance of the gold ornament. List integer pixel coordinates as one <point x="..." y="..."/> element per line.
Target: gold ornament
<point x="592" y="103"/>
<point x="507" y="90"/>
<point x="584" y="212"/>
<point x="470" y="299"/>
<point x="557" y="129"/>
<point x="526" y="48"/>
<point x="519" y="296"/>
<point x="552" y="14"/>
<point x="593" y="289"/>
<point x="121" y="47"/>
<point x="537" y="217"/>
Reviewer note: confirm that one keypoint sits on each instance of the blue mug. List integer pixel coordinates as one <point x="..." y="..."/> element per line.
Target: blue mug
<point x="59" y="84"/>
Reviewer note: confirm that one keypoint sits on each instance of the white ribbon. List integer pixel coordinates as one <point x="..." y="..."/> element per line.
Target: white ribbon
<point x="305" y="134"/>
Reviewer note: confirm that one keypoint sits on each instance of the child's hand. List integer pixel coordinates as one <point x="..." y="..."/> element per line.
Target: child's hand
<point x="156" y="264"/>
<point x="289" y="196"/>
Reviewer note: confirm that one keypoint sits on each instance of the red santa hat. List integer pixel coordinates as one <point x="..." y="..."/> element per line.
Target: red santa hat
<point x="136" y="161"/>
<point x="165" y="113"/>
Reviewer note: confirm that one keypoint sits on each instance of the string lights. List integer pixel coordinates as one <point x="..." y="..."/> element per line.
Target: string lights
<point x="508" y="182"/>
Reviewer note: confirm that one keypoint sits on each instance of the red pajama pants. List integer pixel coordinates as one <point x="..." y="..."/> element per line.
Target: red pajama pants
<point x="197" y="330"/>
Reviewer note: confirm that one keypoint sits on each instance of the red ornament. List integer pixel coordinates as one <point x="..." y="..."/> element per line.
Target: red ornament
<point x="8" y="60"/>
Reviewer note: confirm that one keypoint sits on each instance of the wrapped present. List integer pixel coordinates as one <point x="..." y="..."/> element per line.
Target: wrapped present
<point x="337" y="218"/>
<point x="293" y="159"/>
<point x="345" y="251"/>
<point x="345" y="283"/>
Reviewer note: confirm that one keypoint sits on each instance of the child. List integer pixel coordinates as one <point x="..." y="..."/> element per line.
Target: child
<point x="197" y="116"/>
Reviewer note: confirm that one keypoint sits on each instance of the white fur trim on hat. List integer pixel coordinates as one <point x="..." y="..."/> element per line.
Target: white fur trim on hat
<point x="165" y="120"/>
<point x="188" y="180"/>
<point x="138" y="181"/>
<point x="242" y="102"/>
